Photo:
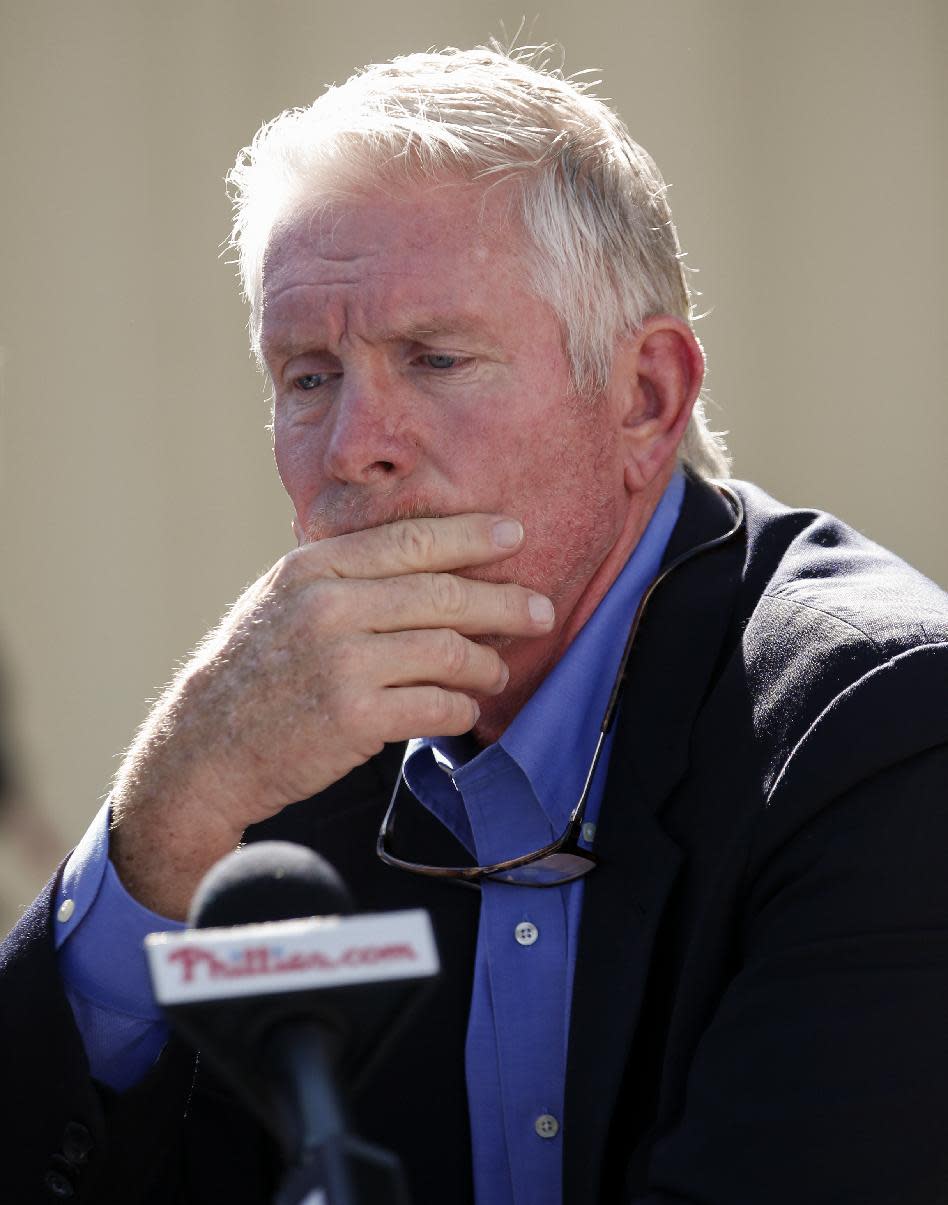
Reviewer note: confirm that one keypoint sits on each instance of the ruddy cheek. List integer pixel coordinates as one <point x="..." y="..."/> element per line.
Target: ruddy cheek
<point x="300" y="467"/>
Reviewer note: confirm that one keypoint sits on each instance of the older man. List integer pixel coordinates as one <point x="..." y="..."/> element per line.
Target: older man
<point x="726" y="984"/>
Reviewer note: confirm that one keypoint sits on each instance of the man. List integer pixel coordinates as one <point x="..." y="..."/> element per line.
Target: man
<point x="466" y="289"/>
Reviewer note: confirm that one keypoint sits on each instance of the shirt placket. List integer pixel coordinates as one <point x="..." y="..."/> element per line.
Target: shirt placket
<point x="522" y="939"/>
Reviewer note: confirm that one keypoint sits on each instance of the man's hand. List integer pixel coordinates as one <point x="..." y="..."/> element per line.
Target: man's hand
<point x="346" y="644"/>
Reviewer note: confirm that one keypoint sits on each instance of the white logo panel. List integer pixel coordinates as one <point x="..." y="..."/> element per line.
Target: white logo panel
<point x="290" y="955"/>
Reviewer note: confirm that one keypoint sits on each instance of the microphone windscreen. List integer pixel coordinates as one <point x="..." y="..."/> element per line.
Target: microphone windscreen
<point x="266" y="881"/>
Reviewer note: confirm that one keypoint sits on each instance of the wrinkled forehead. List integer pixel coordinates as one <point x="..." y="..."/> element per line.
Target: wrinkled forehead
<point x="386" y="268"/>
<point x="480" y="220"/>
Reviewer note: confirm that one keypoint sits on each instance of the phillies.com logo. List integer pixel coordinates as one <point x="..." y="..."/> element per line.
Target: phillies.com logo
<point x="194" y="962"/>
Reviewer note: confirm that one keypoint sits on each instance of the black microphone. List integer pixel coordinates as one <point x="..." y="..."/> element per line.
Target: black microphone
<point x="289" y="995"/>
<point x="268" y="881"/>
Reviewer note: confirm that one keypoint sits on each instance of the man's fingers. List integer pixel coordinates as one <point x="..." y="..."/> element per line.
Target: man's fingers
<point x="439" y="657"/>
<point x="415" y="545"/>
<point x="407" y="710"/>
<point x="430" y="600"/>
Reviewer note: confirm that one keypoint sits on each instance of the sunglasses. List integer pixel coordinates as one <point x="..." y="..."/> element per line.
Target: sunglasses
<point x="563" y="860"/>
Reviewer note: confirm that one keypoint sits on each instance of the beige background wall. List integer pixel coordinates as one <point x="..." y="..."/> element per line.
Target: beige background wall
<point x="805" y="144"/>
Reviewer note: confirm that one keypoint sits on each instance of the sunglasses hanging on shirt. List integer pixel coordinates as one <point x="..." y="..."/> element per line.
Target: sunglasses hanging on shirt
<point x="563" y="860"/>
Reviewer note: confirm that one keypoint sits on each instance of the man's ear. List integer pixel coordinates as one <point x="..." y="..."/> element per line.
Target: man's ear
<point x="659" y="370"/>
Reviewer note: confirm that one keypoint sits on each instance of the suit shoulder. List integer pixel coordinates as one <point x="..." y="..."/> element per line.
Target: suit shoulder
<point x="808" y="560"/>
<point x="827" y="614"/>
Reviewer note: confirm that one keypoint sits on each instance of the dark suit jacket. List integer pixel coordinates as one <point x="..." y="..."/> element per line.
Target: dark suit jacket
<point x="760" y="1012"/>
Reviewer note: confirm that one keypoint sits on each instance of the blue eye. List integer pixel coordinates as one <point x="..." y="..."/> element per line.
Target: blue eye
<point x="311" y="380"/>
<point x="442" y="361"/>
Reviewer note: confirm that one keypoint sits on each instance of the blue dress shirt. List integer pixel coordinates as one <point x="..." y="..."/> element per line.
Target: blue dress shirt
<point x="510" y="798"/>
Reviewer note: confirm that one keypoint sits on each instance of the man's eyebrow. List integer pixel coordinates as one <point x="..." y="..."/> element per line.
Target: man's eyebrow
<point x="425" y="327"/>
<point x="283" y="342"/>
<point x="291" y="339"/>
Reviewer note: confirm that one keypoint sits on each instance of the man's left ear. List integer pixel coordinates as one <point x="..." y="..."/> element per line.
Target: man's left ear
<point x="659" y="370"/>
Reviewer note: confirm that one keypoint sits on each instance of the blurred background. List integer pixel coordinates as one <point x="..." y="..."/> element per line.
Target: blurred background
<point x="805" y="147"/>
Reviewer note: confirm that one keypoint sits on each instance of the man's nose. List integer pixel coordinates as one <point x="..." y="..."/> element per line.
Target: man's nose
<point x="373" y="436"/>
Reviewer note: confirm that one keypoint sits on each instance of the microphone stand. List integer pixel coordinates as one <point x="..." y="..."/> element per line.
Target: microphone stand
<point x="327" y="1164"/>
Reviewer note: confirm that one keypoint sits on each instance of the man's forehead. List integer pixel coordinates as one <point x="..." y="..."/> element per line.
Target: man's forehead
<point x="481" y="218"/>
<point x="416" y="270"/>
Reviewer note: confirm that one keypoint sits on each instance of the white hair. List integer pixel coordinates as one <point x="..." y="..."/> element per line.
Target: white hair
<point x="603" y="250"/>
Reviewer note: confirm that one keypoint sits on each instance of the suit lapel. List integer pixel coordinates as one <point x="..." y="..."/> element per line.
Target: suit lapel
<point x="678" y="647"/>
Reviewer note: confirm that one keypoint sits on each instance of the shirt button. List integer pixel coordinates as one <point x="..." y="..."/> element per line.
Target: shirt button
<point x="66" y="909"/>
<point x="546" y="1125"/>
<point x="526" y="934"/>
<point x="59" y="1185"/>
<point x="77" y="1143"/>
<point x="589" y="832"/>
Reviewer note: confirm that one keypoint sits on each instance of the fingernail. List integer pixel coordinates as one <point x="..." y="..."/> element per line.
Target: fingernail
<point x="507" y="533"/>
<point x="541" y="609"/>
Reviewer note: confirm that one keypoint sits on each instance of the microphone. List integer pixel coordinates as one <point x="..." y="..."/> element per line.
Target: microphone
<point x="269" y="881"/>
<point x="287" y="993"/>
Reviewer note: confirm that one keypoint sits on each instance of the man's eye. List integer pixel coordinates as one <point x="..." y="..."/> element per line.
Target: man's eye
<point x="311" y="380"/>
<point x="442" y="361"/>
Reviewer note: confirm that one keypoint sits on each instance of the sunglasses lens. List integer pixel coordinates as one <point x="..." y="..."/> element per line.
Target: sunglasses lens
<point x="547" y="872"/>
